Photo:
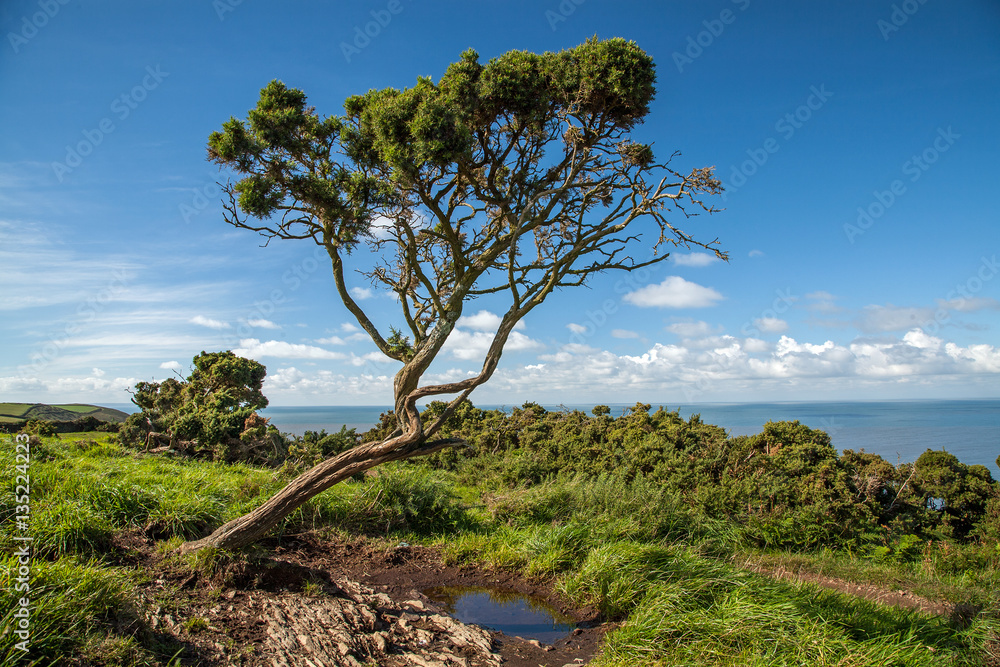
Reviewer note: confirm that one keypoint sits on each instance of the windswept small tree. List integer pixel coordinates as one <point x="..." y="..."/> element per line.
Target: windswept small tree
<point x="212" y="413"/>
<point x="515" y="177"/>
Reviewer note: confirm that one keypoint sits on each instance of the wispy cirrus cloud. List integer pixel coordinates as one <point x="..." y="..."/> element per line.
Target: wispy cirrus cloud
<point x="695" y="259"/>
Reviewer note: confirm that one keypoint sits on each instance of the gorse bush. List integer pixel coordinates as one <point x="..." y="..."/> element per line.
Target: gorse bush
<point x="314" y="447"/>
<point x="212" y="414"/>
<point x="784" y="487"/>
<point x="40" y="428"/>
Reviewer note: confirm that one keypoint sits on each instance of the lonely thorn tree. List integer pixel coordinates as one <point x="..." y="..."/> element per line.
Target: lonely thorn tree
<point x="512" y="178"/>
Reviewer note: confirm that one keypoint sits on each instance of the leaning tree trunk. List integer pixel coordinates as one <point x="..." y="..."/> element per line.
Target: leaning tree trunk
<point x="252" y="526"/>
<point x="409" y="440"/>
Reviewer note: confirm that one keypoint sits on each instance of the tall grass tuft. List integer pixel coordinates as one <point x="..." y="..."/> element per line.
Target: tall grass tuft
<point x="712" y="614"/>
<point x="63" y="526"/>
<point x="72" y="603"/>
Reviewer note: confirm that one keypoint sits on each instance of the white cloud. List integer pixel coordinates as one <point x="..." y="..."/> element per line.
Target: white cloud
<point x="822" y="302"/>
<point x="878" y="319"/>
<point x="713" y="367"/>
<point x="375" y="360"/>
<point x="252" y="348"/>
<point x="171" y="365"/>
<point x="692" y="329"/>
<point x="71" y="389"/>
<point x="331" y="340"/>
<point x="576" y="328"/>
<point x="474" y="345"/>
<point x="203" y="321"/>
<point x="624" y="333"/>
<point x="695" y="259"/>
<point x="381" y="228"/>
<point x="662" y="355"/>
<point x="347" y="327"/>
<point x="788" y="345"/>
<point x="771" y="324"/>
<point x="263" y="324"/>
<point x="298" y="387"/>
<point x="40" y="269"/>
<point x="970" y="305"/>
<point x="362" y="293"/>
<point x="674" y="292"/>
<point x="707" y="368"/>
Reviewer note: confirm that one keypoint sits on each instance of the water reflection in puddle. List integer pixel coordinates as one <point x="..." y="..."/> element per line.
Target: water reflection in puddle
<point x="505" y="611"/>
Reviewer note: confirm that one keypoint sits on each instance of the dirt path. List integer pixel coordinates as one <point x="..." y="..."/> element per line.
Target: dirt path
<point x="316" y="603"/>
<point x="886" y="596"/>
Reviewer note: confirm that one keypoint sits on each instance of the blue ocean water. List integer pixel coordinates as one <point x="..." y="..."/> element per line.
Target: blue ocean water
<point x="899" y="431"/>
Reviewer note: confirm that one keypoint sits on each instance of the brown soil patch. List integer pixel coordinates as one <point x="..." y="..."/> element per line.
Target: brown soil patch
<point x="316" y="602"/>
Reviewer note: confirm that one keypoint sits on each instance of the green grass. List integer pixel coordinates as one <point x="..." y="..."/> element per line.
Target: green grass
<point x="933" y="576"/>
<point x="14" y="410"/>
<point x="79" y="407"/>
<point x="741" y="619"/>
<point x="681" y="607"/>
<point x="680" y="585"/>
<point x="72" y="603"/>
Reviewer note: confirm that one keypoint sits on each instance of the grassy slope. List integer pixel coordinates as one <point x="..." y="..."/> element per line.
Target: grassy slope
<point x="621" y="546"/>
<point x="11" y="412"/>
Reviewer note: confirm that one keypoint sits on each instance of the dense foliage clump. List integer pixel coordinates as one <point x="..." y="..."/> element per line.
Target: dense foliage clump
<point x="213" y="413"/>
<point x="39" y="428"/>
<point x="785" y="486"/>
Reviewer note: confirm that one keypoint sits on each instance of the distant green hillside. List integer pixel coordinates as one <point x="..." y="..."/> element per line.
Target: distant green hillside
<point x="16" y="412"/>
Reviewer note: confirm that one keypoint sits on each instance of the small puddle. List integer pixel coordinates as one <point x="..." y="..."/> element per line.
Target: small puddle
<point x="504" y="611"/>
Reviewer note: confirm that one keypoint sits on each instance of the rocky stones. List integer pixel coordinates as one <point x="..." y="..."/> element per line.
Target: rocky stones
<point x="363" y="627"/>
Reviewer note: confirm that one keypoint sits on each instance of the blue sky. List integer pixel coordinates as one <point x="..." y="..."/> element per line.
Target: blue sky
<point x="858" y="142"/>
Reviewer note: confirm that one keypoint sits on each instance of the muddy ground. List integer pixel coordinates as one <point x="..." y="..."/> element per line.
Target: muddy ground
<point x="317" y="602"/>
